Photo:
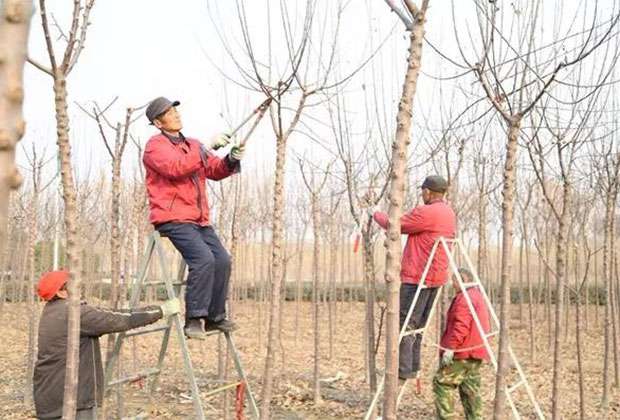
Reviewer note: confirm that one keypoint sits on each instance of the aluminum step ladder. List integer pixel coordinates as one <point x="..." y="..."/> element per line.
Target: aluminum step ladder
<point x="155" y="249"/>
<point x="486" y="335"/>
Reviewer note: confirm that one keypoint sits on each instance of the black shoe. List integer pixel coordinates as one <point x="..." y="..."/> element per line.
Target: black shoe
<point x="224" y="325"/>
<point x="193" y="329"/>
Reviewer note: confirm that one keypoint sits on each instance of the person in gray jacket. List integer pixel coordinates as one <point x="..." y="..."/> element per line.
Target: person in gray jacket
<point x="49" y="371"/>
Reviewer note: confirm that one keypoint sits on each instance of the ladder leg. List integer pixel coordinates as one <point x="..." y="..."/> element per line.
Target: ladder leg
<point x="515" y="412"/>
<point x="375" y="399"/>
<point x="241" y="373"/>
<point x="176" y="322"/>
<point x="189" y="369"/>
<point x="403" y="327"/>
<point x="160" y="360"/>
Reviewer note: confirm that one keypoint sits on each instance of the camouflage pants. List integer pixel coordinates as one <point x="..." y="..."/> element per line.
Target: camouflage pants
<point x="464" y="375"/>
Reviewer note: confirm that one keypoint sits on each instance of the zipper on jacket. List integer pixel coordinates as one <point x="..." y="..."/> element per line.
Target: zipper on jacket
<point x="172" y="201"/>
<point x="198" y="194"/>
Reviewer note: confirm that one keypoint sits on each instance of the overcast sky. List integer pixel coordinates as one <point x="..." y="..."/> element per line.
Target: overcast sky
<point x="140" y="49"/>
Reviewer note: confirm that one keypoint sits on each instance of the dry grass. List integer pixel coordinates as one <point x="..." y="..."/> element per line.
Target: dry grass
<point x="344" y="398"/>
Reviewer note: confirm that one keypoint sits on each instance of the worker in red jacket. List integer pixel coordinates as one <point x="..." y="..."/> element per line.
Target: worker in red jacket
<point x="177" y="168"/>
<point x="423" y="225"/>
<point x="462" y="352"/>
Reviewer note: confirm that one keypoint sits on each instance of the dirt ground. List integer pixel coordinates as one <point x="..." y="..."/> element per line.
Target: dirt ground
<point x="344" y="391"/>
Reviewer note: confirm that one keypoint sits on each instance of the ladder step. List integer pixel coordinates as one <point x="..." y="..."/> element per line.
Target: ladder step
<point x="515" y="386"/>
<point x="470" y="284"/>
<point x="222" y="388"/>
<point x="492" y="333"/>
<point x="412" y="332"/>
<point x="141" y="375"/>
<point x="146" y="330"/>
<point x="162" y="283"/>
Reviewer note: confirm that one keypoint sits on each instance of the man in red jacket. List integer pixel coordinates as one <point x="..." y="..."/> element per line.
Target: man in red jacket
<point x="177" y="168"/>
<point x="462" y="353"/>
<point x="423" y="225"/>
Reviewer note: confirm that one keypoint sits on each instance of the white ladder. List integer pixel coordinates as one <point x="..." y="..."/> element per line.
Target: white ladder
<point x="522" y="380"/>
<point x="155" y="249"/>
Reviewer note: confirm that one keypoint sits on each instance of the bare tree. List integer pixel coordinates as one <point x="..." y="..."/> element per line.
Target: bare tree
<point x="414" y="23"/>
<point x="314" y="189"/>
<point x="515" y="78"/>
<point x="306" y="73"/>
<point x="563" y="146"/>
<point x="15" y="16"/>
<point x="36" y="164"/>
<point x="115" y="151"/>
<point x="608" y="174"/>
<point x="59" y="71"/>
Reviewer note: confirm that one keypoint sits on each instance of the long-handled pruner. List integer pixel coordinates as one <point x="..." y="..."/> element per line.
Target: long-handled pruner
<point x="259" y="112"/>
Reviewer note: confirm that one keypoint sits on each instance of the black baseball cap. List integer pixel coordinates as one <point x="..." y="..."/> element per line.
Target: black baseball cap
<point x="435" y="183"/>
<point x="158" y="106"/>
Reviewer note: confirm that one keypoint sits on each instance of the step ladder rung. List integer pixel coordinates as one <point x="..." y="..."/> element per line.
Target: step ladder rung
<point x="146" y="330"/>
<point x="162" y="283"/>
<point x="412" y="332"/>
<point x="470" y="284"/>
<point x="222" y="388"/>
<point x="141" y="375"/>
<point x="492" y="333"/>
<point x="515" y="386"/>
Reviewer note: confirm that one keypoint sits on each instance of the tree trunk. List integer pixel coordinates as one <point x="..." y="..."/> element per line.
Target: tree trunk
<point x="115" y="240"/>
<point x="371" y="293"/>
<point x="609" y="205"/>
<point x="521" y="251"/>
<point x="332" y="289"/>
<point x="299" y="283"/>
<point x="396" y="199"/>
<point x="530" y="293"/>
<point x="482" y="239"/>
<point x="14" y="29"/>
<point x="277" y="265"/>
<point x="612" y="299"/>
<point x="72" y="248"/>
<point x="561" y="256"/>
<point x="316" y="386"/>
<point x="596" y="285"/>
<point x="32" y="316"/>
<point x="582" y="401"/>
<point x="508" y="201"/>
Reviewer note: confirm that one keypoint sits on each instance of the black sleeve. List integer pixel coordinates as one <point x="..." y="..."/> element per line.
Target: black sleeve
<point x="95" y="322"/>
<point x="233" y="164"/>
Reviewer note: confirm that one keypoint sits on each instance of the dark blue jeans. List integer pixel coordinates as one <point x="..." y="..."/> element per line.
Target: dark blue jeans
<point x="209" y="268"/>
<point x="411" y="345"/>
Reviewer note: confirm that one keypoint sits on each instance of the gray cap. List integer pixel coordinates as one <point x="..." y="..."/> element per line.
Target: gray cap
<point x="435" y="183"/>
<point x="158" y="106"/>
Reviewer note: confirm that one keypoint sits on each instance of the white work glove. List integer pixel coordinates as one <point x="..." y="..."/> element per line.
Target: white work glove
<point x="448" y="356"/>
<point x="372" y="210"/>
<point x="217" y="141"/>
<point x="237" y="152"/>
<point x="170" y="307"/>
